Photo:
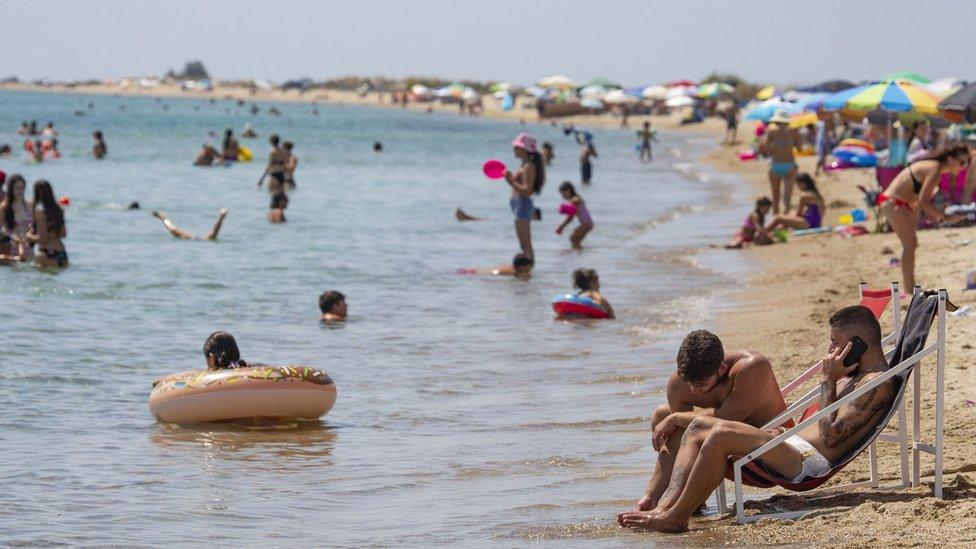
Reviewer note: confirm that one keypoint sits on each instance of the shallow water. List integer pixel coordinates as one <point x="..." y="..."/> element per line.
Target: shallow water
<point x="466" y="415"/>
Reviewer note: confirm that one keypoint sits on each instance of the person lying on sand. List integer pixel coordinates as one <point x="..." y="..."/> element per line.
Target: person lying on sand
<point x="521" y="267"/>
<point x="333" y="306"/>
<point x="729" y="385"/>
<point x="708" y="442"/>
<point x="462" y="216"/>
<point x="180" y="233"/>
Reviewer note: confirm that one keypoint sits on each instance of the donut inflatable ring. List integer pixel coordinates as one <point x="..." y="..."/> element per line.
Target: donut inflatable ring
<point x="255" y="392"/>
<point x="577" y="306"/>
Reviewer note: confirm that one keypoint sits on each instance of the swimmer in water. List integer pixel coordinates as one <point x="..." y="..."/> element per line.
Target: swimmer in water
<point x="548" y="154"/>
<point x="249" y="132"/>
<point x="231" y="147"/>
<point x="180" y="233"/>
<point x="290" y="164"/>
<point x="574" y="207"/>
<point x="461" y="215"/>
<point x="207" y="155"/>
<point x="16" y="220"/>
<point x="333" y="306"/>
<point x="377" y="147"/>
<point x="5" y="150"/>
<point x="99" y="150"/>
<point x="48" y="229"/>
<point x="521" y="267"/>
<point x="222" y="352"/>
<point x="588" y="283"/>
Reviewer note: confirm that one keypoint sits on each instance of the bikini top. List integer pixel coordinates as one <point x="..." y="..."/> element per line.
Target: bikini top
<point x="916" y="184"/>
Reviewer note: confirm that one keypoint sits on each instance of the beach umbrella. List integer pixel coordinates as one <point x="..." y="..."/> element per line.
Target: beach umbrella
<point x="501" y="86"/>
<point x="680" y="91"/>
<point x="657" y="93"/>
<point x="618" y="97"/>
<point x="960" y="106"/>
<point x="766" y="93"/>
<point x="593" y="91"/>
<point x="591" y="103"/>
<point x="765" y="110"/>
<point x="679" y="101"/>
<point x="469" y="94"/>
<point x="420" y="90"/>
<point x="912" y="77"/>
<point x="944" y="87"/>
<point x="713" y="90"/>
<point x="896" y="96"/>
<point x="536" y="91"/>
<point x="557" y="81"/>
<point x="680" y="84"/>
<point x="801" y="119"/>
<point x="602" y="82"/>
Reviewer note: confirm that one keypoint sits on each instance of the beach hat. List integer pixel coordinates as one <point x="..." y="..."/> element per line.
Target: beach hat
<point x="525" y="141"/>
<point x="780" y="117"/>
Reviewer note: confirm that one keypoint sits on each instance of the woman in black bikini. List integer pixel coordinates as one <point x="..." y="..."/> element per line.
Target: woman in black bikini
<point x="913" y="188"/>
<point x="277" y="169"/>
<point x="49" y="229"/>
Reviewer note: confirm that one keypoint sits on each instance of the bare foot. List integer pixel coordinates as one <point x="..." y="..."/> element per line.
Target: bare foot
<point x="654" y="523"/>
<point x="646" y="503"/>
<point x="627" y="517"/>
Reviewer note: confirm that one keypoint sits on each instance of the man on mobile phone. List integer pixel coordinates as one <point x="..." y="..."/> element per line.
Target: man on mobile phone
<point x="734" y="385"/>
<point x="708" y="442"/>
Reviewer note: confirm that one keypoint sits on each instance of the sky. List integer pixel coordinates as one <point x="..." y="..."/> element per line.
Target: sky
<point x="634" y="42"/>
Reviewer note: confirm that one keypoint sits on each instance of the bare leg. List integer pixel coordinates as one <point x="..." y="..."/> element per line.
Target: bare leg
<point x="212" y="235"/>
<point x="577" y="237"/>
<point x="173" y="229"/>
<point x="903" y="223"/>
<point x="523" y="230"/>
<point x="788" y="188"/>
<point x="665" y="460"/>
<point x="788" y="221"/>
<point x="726" y="438"/>
<point x="774" y="184"/>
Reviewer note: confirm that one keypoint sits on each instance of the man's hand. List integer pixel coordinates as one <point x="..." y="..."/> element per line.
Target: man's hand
<point x="832" y="366"/>
<point x="663" y="431"/>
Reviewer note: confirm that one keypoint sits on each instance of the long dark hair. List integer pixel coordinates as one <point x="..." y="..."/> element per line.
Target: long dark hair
<point x="44" y="195"/>
<point x="567" y="186"/>
<point x="764" y="201"/>
<point x="540" y="171"/>
<point x="224" y="348"/>
<point x="8" y="204"/>
<point x="227" y="135"/>
<point x="946" y="153"/>
<point x="807" y="181"/>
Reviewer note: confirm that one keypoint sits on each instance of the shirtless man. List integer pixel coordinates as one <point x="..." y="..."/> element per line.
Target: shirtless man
<point x="587" y="151"/>
<point x="708" y="442"/>
<point x="734" y="385"/>
<point x="206" y="156"/>
<point x="778" y="142"/>
<point x="521" y="267"/>
<point x="333" y="306"/>
<point x="647" y="135"/>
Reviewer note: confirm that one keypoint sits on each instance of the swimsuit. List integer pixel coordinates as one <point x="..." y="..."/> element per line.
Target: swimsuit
<point x="586" y="170"/>
<point x="583" y="214"/>
<point x="814" y="465"/>
<point x="812" y="215"/>
<point x="898" y="202"/>
<point x="279" y="200"/>
<point x="782" y="169"/>
<point x="522" y="207"/>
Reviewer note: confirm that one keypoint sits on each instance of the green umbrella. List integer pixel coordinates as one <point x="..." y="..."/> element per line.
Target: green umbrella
<point x="603" y="82"/>
<point x="907" y="75"/>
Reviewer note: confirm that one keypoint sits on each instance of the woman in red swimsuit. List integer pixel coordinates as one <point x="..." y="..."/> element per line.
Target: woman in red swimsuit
<point x="912" y="189"/>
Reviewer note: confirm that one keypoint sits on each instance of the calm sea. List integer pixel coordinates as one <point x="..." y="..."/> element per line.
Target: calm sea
<point x="466" y="414"/>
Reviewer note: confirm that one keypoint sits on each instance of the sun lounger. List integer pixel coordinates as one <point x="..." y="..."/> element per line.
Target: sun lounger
<point x="908" y="352"/>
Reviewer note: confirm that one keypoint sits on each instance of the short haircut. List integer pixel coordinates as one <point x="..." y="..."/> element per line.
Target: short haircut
<point x="521" y="260"/>
<point x="330" y="299"/>
<point x="700" y="356"/>
<point x="858" y="318"/>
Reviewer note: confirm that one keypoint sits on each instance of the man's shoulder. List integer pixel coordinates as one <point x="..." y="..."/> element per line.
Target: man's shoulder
<point x="749" y="360"/>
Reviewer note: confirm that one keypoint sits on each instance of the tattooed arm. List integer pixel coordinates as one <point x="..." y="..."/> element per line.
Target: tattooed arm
<point x="839" y="426"/>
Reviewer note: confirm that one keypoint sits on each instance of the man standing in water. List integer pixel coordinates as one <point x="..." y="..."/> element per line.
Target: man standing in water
<point x="587" y="151"/>
<point x="735" y="385"/>
<point x="647" y="135"/>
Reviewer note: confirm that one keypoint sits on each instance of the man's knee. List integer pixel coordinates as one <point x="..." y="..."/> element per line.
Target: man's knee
<point x="719" y="436"/>
<point x="659" y="414"/>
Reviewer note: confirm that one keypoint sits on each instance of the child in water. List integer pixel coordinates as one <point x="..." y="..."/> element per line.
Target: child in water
<point x="588" y="283"/>
<point x="574" y="207"/>
<point x="332" y="304"/>
<point x="521" y="267"/>
<point x="753" y="226"/>
<point x="221" y="352"/>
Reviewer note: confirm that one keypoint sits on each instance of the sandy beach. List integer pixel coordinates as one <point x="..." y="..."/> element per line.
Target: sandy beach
<point x="781" y="310"/>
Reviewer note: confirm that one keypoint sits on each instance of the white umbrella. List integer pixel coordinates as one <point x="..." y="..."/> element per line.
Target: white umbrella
<point x="680" y="91"/>
<point x="420" y="90"/>
<point x="469" y="94"/>
<point x="591" y="103"/>
<point x="679" y="101"/>
<point x="656" y="93"/>
<point x="618" y="97"/>
<point x="593" y="91"/>
<point x="944" y="87"/>
<point x="556" y="81"/>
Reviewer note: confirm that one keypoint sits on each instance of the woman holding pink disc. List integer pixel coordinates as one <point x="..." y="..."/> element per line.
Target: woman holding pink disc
<point x="525" y="182"/>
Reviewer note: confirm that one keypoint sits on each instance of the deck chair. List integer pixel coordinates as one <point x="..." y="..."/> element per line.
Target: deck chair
<point x="908" y="352"/>
<point x="878" y="301"/>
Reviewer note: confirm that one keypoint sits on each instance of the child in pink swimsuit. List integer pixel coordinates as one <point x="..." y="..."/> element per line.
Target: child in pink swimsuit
<point x="574" y="207"/>
<point x="752" y="226"/>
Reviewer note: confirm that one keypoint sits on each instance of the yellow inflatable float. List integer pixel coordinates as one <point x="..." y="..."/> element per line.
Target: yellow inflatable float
<point x="254" y="392"/>
<point x="244" y="154"/>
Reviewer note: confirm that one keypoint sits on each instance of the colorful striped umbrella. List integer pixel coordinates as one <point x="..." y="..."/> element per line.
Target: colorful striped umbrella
<point x="714" y="89"/>
<point x="896" y="96"/>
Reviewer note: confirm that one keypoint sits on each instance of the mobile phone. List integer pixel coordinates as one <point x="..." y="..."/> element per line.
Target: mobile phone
<point x="858" y="348"/>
